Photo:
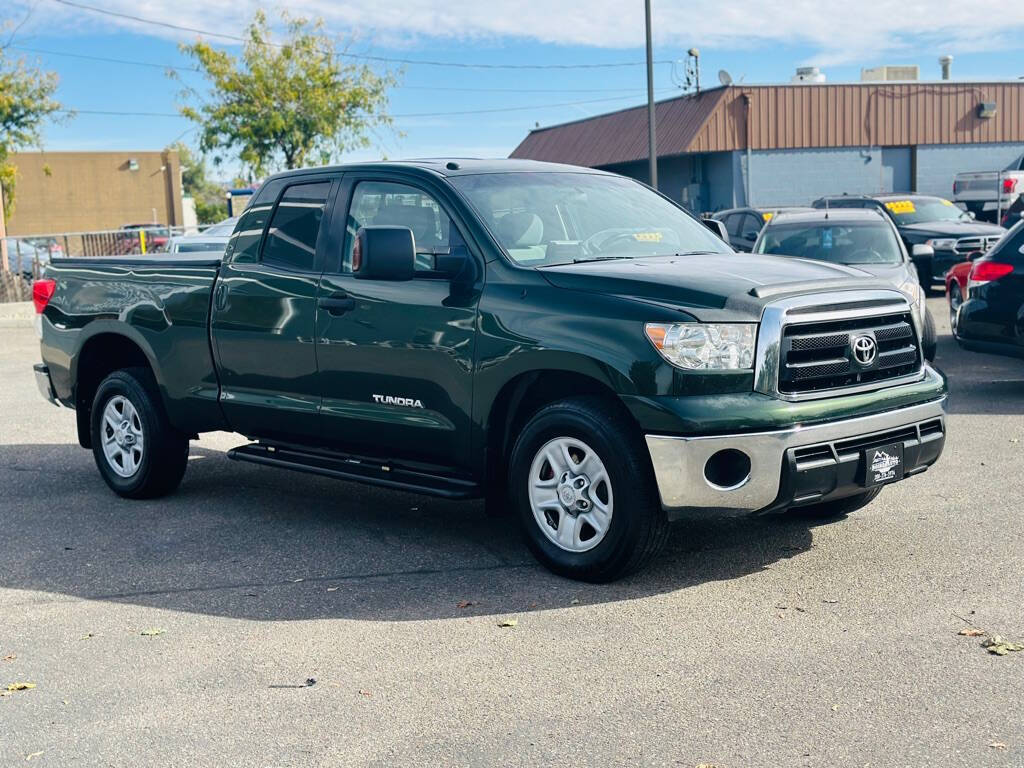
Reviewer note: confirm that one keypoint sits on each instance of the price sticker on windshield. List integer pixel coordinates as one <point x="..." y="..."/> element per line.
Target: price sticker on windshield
<point x="900" y="206"/>
<point x="767" y="215"/>
<point x="647" y="237"/>
<point x="944" y="202"/>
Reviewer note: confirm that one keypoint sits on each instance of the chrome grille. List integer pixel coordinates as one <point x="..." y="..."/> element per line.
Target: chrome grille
<point x="966" y="245"/>
<point x="819" y="356"/>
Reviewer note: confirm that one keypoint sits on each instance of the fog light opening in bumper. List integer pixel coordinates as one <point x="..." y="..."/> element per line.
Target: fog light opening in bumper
<point x="727" y="470"/>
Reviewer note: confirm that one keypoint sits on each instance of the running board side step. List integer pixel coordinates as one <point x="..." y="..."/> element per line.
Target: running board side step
<point x="356" y="469"/>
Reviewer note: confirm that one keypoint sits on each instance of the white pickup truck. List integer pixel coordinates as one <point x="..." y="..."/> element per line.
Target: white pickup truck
<point x="981" y="192"/>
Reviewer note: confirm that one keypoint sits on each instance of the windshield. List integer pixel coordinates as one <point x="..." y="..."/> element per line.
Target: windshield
<point x="867" y="243"/>
<point x="914" y="210"/>
<point x="198" y="246"/>
<point x="542" y="219"/>
<point x="221" y="228"/>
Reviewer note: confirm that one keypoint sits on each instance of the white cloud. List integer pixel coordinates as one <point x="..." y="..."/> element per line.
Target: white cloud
<point x="839" y="32"/>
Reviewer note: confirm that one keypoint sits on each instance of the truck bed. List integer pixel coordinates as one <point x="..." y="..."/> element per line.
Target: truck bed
<point x="161" y="303"/>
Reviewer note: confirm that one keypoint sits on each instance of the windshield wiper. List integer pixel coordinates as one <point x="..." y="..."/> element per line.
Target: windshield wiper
<point x="601" y="258"/>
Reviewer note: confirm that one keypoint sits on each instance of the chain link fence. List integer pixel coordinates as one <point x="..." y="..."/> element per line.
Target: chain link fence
<point x="28" y="255"/>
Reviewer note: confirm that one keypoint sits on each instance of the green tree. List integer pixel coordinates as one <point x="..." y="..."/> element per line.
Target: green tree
<point x="26" y="103"/>
<point x="209" y="196"/>
<point x="285" y="103"/>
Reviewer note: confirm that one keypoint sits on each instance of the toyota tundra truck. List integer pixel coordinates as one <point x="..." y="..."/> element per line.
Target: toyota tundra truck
<point x="565" y="343"/>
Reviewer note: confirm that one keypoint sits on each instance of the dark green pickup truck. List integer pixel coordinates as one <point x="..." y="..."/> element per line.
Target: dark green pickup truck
<point x="564" y="342"/>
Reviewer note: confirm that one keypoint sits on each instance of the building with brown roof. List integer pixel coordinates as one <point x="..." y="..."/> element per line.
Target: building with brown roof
<point x="789" y="144"/>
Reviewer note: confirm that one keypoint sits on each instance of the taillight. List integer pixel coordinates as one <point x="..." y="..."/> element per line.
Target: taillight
<point x="1009" y="185"/>
<point x="42" y="292"/>
<point x="986" y="271"/>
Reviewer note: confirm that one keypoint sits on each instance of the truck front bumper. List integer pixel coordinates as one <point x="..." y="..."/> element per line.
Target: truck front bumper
<point x="791" y="467"/>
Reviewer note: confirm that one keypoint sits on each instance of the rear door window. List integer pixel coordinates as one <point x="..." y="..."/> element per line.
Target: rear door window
<point x="293" y="231"/>
<point x="751" y="226"/>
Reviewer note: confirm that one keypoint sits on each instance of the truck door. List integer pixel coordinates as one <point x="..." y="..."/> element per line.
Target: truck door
<point x="396" y="358"/>
<point x="264" y="311"/>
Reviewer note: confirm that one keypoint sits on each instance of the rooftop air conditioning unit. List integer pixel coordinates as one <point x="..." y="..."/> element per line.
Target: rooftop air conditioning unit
<point x="808" y="75"/>
<point x="890" y="73"/>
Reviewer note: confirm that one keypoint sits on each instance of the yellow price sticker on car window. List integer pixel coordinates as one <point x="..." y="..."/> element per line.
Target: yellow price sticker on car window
<point x="900" y="206"/>
<point x="945" y="202"/>
<point x="647" y="237"/>
<point x="767" y="215"/>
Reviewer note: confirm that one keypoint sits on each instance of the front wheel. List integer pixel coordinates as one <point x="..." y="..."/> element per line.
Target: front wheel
<point x="929" y="337"/>
<point x="583" y="488"/>
<point x="138" y="453"/>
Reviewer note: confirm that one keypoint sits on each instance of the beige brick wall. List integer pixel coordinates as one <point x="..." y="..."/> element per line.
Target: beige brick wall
<point x="85" y="191"/>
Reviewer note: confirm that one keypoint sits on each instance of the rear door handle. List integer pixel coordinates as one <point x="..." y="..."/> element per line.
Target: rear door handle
<point x="220" y="296"/>
<point x="337" y="305"/>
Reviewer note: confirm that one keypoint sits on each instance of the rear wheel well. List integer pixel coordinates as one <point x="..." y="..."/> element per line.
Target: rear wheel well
<point x="521" y="398"/>
<point x="100" y="356"/>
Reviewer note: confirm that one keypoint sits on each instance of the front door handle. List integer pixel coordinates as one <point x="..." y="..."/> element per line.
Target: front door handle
<point x="220" y="296"/>
<point x="337" y="305"/>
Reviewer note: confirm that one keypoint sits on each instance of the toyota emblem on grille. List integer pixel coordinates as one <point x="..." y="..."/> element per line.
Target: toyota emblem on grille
<point x="864" y="350"/>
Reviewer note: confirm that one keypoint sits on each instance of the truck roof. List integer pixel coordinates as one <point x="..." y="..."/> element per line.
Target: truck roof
<point x="837" y="215"/>
<point x="454" y="166"/>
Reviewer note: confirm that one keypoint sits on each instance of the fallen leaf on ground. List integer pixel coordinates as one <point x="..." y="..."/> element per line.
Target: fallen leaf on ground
<point x="34" y="755"/>
<point x="10" y="657"/>
<point x="972" y="632"/>
<point x="835" y="707"/>
<point x="508" y="622"/>
<point x="801" y="610"/>
<point x="999" y="646"/>
<point x="153" y="632"/>
<point x="464" y="604"/>
<point x="20" y="686"/>
<point x="997" y="745"/>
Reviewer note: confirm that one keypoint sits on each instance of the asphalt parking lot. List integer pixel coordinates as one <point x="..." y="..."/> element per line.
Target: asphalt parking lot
<point x="184" y="631"/>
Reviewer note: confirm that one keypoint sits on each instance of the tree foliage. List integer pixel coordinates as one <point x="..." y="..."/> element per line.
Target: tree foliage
<point x="285" y="103"/>
<point x="26" y="103"/>
<point x="209" y="196"/>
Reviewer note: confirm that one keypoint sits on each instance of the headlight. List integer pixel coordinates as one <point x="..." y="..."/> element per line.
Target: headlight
<point x="705" y="347"/>
<point x="942" y="243"/>
<point x="912" y="289"/>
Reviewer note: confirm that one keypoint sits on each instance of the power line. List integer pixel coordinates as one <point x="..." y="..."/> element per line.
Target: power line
<point x="522" y="108"/>
<point x="104" y="58"/>
<point x="365" y="57"/>
<point x="466" y="89"/>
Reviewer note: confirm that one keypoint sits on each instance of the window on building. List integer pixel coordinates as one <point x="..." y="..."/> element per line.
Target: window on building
<point x="291" y="237"/>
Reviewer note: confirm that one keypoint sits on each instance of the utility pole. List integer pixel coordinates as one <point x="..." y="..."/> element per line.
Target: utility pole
<point x="5" y="263"/>
<point x="652" y="144"/>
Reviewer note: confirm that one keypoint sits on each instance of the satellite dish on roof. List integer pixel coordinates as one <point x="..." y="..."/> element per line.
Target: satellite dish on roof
<point x="724" y="77"/>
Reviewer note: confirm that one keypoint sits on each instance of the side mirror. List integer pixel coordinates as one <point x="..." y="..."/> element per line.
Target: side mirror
<point x="384" y="253"/>
<point x="972" y="214"/>
<point x="922" y="251"/>
<point x="716" y="226"/>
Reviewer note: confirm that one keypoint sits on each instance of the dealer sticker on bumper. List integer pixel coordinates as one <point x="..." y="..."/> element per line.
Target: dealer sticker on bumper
<point x="883" y="464"/>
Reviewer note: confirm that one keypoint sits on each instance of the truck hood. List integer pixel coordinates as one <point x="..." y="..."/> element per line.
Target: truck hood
<point x="928" y="229"/>
<point x="704" y="285"/>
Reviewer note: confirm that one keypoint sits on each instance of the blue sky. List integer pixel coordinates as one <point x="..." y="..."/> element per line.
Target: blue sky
<point x="741" y="37"/>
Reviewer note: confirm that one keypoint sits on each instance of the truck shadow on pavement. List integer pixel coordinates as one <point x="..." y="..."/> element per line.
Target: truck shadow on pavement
<point x="250" y="542"/>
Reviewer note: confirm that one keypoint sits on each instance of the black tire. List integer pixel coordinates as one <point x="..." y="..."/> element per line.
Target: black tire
<point x="955" y="300"/>
<point x="164" y="454"/>
<point x="929" y="337"/>
<point x="638" y="525"/>
<point x="837" y="508"/>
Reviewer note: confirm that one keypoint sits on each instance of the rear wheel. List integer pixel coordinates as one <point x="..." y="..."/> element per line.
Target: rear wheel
<point x="138" y="453"/>
<point x="837" y="507"/>
<point x="582" y="486"/>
